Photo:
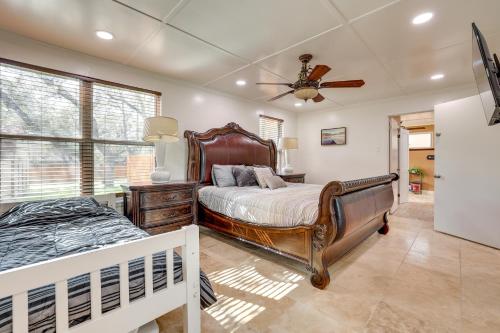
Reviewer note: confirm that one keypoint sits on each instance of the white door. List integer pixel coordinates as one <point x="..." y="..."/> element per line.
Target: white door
<point x="467" y="190"/>
<point x="404" y="165"/>
<point x="394" y="157"/>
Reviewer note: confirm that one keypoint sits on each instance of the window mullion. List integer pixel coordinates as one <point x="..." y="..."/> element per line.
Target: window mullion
<point x="86" y="145"/>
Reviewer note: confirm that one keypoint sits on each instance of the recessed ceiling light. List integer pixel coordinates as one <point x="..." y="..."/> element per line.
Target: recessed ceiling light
<point x="438" y="76"/>
<point x="241" y="83"/>
<point x="104" y="35"/>
<point x="298" y="105"/>
<point x="422" y="18"/>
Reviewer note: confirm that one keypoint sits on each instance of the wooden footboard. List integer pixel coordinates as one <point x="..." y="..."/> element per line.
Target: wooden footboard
<point x="334" y="233"/>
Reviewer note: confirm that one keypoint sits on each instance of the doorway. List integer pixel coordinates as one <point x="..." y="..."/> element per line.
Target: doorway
<point x="412" y="156"/>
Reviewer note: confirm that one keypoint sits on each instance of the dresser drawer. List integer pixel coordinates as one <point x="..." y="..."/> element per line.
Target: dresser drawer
<point x="158" y="199"/>
<point x="160" y="216"/>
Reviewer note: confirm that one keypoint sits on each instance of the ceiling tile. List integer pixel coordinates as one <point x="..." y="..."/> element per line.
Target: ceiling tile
<point x="413" y="73"/>
<point x="392" y="36"/>
<point x="251" y="75"/>
<point x="254" y="29"/>
<point x="339" y="49"/>
<point x="378" y="85"/>
<point x="181" y="56"/>
<point x="156" y="8"/>
<point x="355" y="8"/>
<point x="72" y="24"/>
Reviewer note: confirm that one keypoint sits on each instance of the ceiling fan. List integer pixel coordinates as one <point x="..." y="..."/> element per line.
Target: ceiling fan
<point x="309" y="82"/>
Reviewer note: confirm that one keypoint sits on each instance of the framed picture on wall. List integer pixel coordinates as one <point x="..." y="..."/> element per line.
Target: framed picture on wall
<point x="333" y="136"/>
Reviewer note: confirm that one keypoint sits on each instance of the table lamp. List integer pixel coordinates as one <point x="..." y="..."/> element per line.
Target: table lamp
<point x="285" y="144"/>
<point x="161" y="131"/>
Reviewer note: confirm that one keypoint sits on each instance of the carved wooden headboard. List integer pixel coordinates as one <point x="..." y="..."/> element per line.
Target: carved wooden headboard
<point x="230" y="144"/>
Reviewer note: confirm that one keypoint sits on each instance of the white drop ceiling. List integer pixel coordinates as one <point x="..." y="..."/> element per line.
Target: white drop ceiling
<point x="214" y="43"/>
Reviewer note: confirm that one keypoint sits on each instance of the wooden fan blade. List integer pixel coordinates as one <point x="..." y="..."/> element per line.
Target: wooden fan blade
<point x="343" y="84"/>
<point x="279" y="96"/>
<point x="275" y="84"/>
<point x="318" y="98"/>
<point x="318" y="72"/>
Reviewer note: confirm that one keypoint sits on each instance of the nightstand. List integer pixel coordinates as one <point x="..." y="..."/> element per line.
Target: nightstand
<point x="158" y="208"/>
<point x="293" y="177"/>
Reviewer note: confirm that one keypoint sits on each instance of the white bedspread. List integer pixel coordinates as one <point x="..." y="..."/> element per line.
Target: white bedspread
<point x="291" y="206"/>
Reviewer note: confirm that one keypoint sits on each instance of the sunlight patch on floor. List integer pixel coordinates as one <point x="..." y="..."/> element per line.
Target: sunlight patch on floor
<point x="232" y="313"/>
<point x="246" y="278"/>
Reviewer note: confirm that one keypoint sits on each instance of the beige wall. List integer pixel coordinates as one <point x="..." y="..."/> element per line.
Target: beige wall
<point x="418" y="158"/>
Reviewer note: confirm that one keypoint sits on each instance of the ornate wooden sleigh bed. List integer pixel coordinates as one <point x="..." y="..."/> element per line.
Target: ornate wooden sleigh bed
<point x="348" y="212"/>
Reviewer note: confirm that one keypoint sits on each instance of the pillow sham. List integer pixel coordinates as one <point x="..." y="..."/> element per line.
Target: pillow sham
<point x="222" y="175"/>
<point x="245" y="176"/>
<point x="261" y="174"/>
<point x="275" y="182"/>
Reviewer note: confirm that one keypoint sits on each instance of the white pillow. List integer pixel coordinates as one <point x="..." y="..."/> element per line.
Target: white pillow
<point x="261" y="174"/>
<point x="275" y="182"/>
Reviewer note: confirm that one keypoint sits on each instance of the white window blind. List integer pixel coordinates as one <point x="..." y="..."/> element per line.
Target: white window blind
<point x="270" y="128"/>
<point x="64" y="135"/>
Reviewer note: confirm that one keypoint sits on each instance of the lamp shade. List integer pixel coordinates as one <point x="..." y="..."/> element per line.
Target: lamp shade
<point x="288" y="143"/>
<point x="160" y="128"/>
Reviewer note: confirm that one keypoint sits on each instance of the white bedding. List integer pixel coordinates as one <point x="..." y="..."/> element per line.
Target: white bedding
<point x="291" y="206"/>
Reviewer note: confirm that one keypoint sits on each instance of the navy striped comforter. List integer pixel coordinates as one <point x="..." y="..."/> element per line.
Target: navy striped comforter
<point x="37" y="231"/>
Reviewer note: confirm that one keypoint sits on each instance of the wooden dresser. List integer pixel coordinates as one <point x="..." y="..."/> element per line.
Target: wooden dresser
<point x="158" y="208"/>
<point x="293" y="177"/>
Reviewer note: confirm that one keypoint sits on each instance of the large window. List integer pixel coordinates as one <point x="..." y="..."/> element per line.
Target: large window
<point x="65" y="135"/>
<point x="270" y="128"/>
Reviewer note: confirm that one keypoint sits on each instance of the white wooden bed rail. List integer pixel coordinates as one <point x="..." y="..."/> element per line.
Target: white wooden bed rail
<point x="130" y="315"/>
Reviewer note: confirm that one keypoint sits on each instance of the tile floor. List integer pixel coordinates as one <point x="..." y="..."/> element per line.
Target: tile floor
<point x="411" y="280"/>
<point x="424" y="197"/>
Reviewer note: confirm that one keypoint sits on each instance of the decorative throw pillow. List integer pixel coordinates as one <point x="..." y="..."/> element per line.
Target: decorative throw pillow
<point x="275" y="182"/>
<point x="222" y="175"/>
<point x="264" y="166"/>
<point x="245" y="176"/>
<point x="261" y="174"/>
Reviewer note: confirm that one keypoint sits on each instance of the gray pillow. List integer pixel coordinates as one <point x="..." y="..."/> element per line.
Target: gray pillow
<point x="261" y="174"/>
<point x="245" y="176"/>
<point x="275" y="182"/>
<point x="222" y="175"/>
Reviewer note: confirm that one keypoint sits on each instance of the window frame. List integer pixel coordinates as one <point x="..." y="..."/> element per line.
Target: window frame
<point x="430" y="133"/>
<point x="86" y="141"/>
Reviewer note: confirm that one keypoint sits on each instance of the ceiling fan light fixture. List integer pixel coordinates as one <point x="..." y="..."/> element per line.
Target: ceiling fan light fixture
<point x="306" y="93"/>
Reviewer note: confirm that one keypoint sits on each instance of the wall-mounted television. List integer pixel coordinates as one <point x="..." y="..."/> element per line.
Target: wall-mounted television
<point x="486" y="72"/>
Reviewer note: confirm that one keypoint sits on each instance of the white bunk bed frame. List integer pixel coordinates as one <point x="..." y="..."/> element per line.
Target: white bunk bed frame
<point x="130" y="315"/>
